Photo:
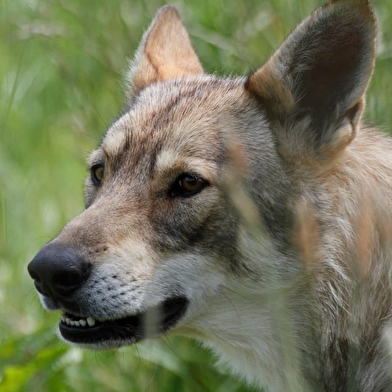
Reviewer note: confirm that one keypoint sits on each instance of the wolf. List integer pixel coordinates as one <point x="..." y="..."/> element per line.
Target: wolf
<point x="251" y="213"/>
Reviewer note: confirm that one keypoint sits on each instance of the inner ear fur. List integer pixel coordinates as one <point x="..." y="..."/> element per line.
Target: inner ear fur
<point x="319" y="75"/>
<point x="164" y="53"/>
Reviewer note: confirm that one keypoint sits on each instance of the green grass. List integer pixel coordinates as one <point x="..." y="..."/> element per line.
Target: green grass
<point x="61" y="72"/>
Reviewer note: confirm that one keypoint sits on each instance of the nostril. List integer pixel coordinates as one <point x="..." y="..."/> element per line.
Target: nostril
<point x="33" y="275"/>
<point x="37" y="280"/>
<point x="38" y="287"/>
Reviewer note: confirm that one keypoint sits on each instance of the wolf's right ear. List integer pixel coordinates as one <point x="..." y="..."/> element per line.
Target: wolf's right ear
<point x="164" y="53"/>
<point x="313" y="86"/>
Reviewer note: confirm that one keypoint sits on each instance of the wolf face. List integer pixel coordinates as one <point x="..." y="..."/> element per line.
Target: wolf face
<point x="228" y="209"/>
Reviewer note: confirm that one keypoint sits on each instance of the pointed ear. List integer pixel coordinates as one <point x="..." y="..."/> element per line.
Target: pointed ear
<point x="316" y="80"/>
<point x="164" y="53"/>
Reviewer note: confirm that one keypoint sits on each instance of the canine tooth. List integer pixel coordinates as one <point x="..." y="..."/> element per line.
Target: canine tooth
<point x="90" y="321"/>
<point x="68" y="320"/>
<point x="62" y="316"/>
<point x="82" y="322"/>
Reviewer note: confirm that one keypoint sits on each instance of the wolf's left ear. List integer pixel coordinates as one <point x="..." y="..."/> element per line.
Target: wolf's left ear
<point x="164" y="53"/>
<point x="319" y="75"/>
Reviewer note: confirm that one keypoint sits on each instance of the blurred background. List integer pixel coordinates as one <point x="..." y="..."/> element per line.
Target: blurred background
<point x="61" y="82"/>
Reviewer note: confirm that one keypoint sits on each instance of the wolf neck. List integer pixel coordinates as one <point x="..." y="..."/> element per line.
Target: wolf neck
<point x="254" y="335"/>
<point x="257" y="316"/>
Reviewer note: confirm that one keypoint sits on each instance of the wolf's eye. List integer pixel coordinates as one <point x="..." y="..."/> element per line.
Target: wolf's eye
<point x="187" y="185"/>
<point x="97" y="172"/>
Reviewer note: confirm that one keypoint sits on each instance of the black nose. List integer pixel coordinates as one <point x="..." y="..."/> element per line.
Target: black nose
<point x="58" y="270"/>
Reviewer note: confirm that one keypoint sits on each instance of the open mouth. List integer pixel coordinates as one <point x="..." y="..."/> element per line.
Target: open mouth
<point x="127" y="330"/>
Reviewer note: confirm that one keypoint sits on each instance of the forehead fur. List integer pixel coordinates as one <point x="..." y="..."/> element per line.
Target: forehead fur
<point x="181" y="116"/>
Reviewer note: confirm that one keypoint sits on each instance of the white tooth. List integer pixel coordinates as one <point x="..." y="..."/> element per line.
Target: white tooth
<point x="90" y="321"/>
<point x="67" y="320"/>
<point x="76" y="323"/>
<point x="62" y="316"/>
<point x="72" y="322"/>
<point x="82" y="322"/>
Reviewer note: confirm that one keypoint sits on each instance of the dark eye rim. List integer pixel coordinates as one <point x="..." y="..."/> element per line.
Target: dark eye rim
<point x="177" y="191"/>
<point x="96" y="181"/>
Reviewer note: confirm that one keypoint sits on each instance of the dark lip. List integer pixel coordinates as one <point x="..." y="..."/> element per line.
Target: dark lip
<point x="114" y="333"/>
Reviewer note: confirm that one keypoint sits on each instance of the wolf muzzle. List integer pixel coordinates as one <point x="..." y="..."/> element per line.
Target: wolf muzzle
<point x="61" y="274"/>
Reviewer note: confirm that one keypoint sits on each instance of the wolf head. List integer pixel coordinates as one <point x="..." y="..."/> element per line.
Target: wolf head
<point x="190" y="195"/>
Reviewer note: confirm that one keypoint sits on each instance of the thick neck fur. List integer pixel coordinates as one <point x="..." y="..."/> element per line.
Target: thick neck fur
<point x="255" y="324"/>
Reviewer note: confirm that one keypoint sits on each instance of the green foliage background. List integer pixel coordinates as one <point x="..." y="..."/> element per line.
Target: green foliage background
<point x="61" y="71"/>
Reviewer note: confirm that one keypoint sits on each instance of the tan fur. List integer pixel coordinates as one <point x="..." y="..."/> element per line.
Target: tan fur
<point x="281" y="260"/>
<point x="155" y="61"/>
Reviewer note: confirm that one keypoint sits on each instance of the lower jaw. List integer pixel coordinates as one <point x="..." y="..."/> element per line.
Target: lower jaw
<point x="102" y="336"/>
<point x="129" y="330"/>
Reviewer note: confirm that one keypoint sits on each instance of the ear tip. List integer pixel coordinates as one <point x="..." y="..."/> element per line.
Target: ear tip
<point x="352" y="3"/>
<point x="357" y="13"/>
<point x="167" y="11"/>
<point x="360" y="7"/>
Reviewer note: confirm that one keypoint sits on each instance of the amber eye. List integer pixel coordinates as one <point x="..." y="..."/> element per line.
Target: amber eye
<point x="187" y="185"/>
<point x="97" y="173"/>
<point x="190" y="183"/>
